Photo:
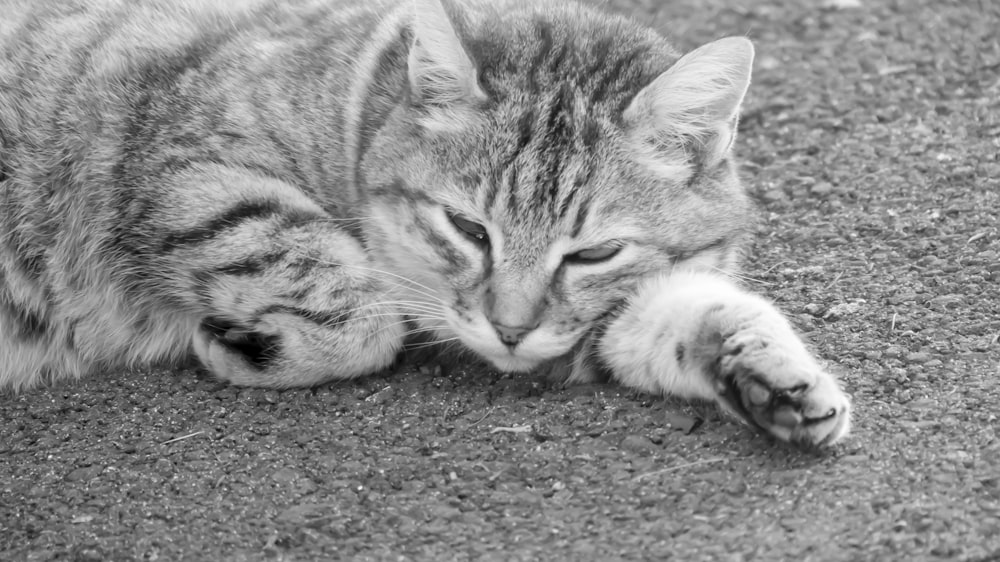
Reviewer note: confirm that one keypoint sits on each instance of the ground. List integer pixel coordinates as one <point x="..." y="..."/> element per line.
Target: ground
<point x="870" y="139"/>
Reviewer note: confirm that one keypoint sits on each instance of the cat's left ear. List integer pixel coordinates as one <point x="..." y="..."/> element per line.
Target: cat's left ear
<point x="696" y="102"/>
<point x="441" y="73"/>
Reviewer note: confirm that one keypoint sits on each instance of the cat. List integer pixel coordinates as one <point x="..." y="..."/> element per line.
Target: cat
<point x="289" y="190"/>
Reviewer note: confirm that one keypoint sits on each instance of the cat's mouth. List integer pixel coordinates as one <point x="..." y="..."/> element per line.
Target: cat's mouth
<point x="537" y="347"/>
<point x="524" y="357"/>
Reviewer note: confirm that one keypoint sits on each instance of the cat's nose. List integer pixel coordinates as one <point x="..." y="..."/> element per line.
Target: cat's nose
<point x="512" y="335"/>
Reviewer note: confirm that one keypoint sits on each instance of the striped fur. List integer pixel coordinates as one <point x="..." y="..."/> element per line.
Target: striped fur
<point x="287" y="188"/>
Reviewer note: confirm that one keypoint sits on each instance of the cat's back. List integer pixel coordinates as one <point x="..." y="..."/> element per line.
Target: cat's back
<point x="81" y="78"/>
<point x="105" y="37"/>
<point x="60" y="52"/>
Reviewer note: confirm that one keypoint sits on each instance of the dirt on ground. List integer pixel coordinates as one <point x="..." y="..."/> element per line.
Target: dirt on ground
<point x="870" y="139"/>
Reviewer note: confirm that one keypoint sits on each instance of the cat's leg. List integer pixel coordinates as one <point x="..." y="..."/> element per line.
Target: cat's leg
<point x="696" y="335"/>
<point x="284" y="295"/>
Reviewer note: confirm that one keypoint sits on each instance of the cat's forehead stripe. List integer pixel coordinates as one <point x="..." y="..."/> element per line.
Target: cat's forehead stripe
<point x="604" y="67"/>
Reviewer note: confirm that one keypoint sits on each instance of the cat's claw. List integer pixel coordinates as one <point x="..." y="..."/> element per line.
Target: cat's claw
<point x="785" y="394"/>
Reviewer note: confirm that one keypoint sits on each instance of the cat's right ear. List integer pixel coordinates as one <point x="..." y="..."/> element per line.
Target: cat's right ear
<point x="440" y="71"/>
<point x="692" y="108"/>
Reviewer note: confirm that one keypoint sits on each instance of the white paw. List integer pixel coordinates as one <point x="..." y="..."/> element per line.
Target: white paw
<point x="284" y="350"/>
<point x="782" y="390"/>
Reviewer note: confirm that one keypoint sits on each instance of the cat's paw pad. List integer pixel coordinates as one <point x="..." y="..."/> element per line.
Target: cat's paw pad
<point x="785" y="393"/>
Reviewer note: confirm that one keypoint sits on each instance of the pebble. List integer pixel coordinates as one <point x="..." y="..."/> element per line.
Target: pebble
<point x="919" y="357"/>
<point x="527" y="497"/>
<point x="773" y="195"/>
<point x="637" y="444"/>
<point x="821" y="189"/>
<point x="300" y="514"/>
<point x="306" y="486"/>
<point x="893" y="352"/>
<point x="814" y="309"/>
<point x="85" y="473"/>
<point x="285" y="475"/>
<point x="89" y="553"/>
<point x="163" y="466"/>
<point x="843" y="309"/>
<point x="443" y="511"/>
<point x="902" y="297"/>
<point x="945" y="301"/>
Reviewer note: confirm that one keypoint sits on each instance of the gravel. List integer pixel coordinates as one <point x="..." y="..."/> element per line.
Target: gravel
<point x="871" y="140"/>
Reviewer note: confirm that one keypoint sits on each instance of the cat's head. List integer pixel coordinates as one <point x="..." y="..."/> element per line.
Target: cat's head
<point x="539" y="160"/>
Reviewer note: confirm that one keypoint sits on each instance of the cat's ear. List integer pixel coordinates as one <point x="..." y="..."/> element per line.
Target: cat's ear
<point x="440" y="71"/>
<point x="695" y="104"/>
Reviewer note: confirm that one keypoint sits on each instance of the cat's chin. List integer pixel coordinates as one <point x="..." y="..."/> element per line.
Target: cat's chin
<point x="512" y="363"/>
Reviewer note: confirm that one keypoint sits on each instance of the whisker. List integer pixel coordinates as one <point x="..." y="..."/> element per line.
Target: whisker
<point x="405" y="306"/>
<point x="427" y="291"/>
<point x="344" y="219"/>
<point x="424" y="345"/>
<point x="409" y="318"/>
<point x="740" y="276"/>
<point x="422" y="330"/>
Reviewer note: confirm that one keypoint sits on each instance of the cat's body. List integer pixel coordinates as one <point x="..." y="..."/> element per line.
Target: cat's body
<point x="288" y="188"/>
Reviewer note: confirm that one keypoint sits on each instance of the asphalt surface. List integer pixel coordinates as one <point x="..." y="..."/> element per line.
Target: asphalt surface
<point x="871" y="138"/>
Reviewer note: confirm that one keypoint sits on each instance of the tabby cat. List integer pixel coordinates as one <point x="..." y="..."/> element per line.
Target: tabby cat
<point x="290" y="189"/>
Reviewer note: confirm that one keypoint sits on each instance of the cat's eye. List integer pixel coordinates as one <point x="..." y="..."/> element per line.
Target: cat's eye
<point x="473" y="230"/>
<point x="596" y="254"/>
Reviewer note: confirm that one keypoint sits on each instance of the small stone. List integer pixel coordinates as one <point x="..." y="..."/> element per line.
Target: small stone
<point x="528" y="497"/>
<point x="821" y="189"/>
<point x="163" y="466"/>
<point x="893" y="352"/>
<point x="902" y="297"/>
<point x="285" y="476"/>
<point x="919" y="357"/>
<point x="946" y="301"/>
<point x="89" y="553"/>
<point x="773" y="195"/>
<point x="300" y="514"/>
<point x="687" y="424"/>
<point x="84" y="474"/>
<point x="443" y="511"/>
<point x="843" y="309"/>
<point x="637" y="444"/>
<point x="305" y="486"/>
<point x="841" y="4"/>
<point x="768" y="63"/>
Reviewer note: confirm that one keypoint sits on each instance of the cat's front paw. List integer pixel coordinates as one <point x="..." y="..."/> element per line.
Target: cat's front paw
<point x="781" y="390"/>
<point x="296" y="348"/>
